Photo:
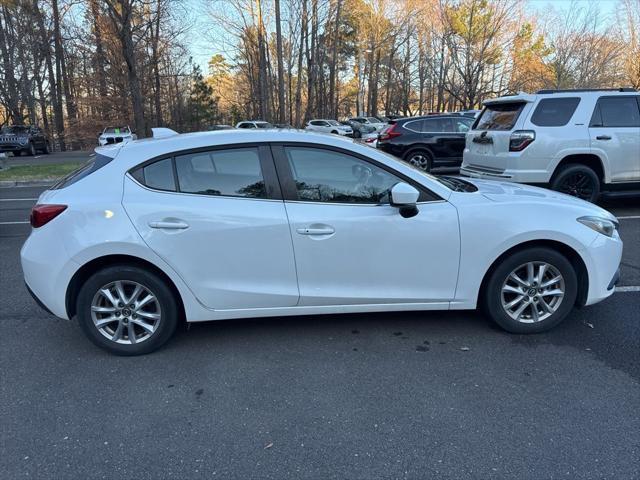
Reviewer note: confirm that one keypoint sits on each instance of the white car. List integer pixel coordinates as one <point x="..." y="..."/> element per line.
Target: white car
<point x="579" y="142"/>
<point x="376" y="123"/>
<point x="328" y="126"/>
<point x="116" y="135"/>
<point x="234" y="224"/>
<point x="254" y="124"/>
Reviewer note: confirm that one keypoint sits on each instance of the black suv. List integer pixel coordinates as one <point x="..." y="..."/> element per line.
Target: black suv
<point x="23" y="139"/>
<point x="427" y="142"/>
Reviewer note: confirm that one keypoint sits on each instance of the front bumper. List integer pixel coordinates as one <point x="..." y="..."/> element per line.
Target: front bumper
<point x="11" y="147"/>
<point x="602" y="260"/>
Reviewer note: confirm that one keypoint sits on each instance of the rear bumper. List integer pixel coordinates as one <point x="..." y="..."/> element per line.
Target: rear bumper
<point x="37" y="300"/>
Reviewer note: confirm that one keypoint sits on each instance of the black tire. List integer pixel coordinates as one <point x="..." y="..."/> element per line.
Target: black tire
<point x="420" y="158"/>
<point x="45" y="149"/>
<point x="578" y="181"/>
<point x="154" y="284"/>
<point x="491" y="300"/>
<point x="335" y="132"/>
<point x="357" y="134"/>
<point x="31" y="150"/>
<point x="17" y="153"/>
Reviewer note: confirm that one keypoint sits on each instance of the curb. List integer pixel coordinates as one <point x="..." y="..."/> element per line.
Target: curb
<point x="27" y="183"/>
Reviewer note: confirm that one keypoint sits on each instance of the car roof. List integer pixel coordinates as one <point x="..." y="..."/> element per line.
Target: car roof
<point x="532" y="97"/>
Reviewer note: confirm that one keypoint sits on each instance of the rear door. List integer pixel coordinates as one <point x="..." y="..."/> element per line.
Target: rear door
<point x="217" y="217"/>
<point x="487" y="145"/>
<point x="614" y="131"/>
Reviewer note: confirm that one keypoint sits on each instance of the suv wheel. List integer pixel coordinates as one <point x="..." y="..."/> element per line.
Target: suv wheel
<point x="45" y="149"/>
<point x="579" y="181"/>
<point x="31" y="149"/>
<point x="127" y="310"/>
<point x="531" y="291"/>
<point x="419" y="158"/>
<point x="357" y="133"/>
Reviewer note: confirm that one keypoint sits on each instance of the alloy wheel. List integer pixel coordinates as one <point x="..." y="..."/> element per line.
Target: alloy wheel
<point x="533" y="292"/>
<point x="578" y="185"/>
<point x="126" y="312"/>
<point x="419" y="160"/>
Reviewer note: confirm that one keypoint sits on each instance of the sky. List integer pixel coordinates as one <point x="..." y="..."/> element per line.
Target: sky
<point x="206" y="39"/>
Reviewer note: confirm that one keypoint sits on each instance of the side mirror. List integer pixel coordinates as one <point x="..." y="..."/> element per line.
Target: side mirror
<point x="405" y="197"/>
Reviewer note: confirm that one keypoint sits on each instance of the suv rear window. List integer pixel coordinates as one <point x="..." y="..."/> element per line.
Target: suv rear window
<point x="554" y="112"/>
<point x="499" y="116"/>
<point x="88" y="168"/>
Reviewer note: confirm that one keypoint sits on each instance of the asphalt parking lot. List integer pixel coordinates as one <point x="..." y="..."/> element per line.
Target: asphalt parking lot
<point x="397" y="395"/>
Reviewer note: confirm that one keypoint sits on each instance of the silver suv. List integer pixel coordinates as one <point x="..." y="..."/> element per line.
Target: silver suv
<point x="580" y="142"/>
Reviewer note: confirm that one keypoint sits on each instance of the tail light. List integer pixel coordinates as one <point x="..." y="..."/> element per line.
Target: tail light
<point x="520" y="139"/>
<point x="43" y="214"/>
<point x="389" y="132"/>
<point x="370" y="140"/>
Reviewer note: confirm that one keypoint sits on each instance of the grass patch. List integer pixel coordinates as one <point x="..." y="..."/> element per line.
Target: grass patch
<point x="38" y="172"/>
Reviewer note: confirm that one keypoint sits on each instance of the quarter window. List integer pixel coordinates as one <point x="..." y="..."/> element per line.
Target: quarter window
<point x="554" y="112"/>
<point x="159" y="175"/>
<point x="616" y="112"/>
<point x="327" y="176"/>
<point x="233" y="173"/>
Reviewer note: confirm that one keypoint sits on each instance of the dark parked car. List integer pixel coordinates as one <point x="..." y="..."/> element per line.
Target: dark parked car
<point x="427" y="142"/>
<point x="23" y="139"/>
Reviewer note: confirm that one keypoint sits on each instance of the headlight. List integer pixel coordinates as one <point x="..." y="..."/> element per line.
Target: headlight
<point x="601" y="225"/>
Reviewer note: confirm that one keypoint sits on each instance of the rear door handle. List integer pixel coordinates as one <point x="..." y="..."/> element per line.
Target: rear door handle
<point x="316" y="231"/>
<point x="603" y="137"/>
<point x="169" y="225"/>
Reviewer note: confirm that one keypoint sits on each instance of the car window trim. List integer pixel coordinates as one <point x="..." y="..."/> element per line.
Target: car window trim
<point x="290" y="191"/>
<point x="267" y="167"/>
<point x="598" y="109"/>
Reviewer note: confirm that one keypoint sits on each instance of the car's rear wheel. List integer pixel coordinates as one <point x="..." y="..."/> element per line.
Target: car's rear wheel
<point x="531" y="291"/>
<point x="357" y="134"/>
<point x="127" y="310"/>
<point x="419" y="158"/>
<point x="45" y="149"/>
<point x="579" y="181"/>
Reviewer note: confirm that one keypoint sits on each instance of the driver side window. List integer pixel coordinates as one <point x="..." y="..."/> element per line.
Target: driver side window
<point x="328" y="176"/>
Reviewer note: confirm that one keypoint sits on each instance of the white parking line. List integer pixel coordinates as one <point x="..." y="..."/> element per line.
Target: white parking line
<point x="629" y="217"/>
<point x="630" y="288"/>
<point x="13" y="223"/>
<point x="17" y="199"/>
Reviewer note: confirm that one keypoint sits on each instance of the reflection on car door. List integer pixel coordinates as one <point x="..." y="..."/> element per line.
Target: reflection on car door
<point x="353" y="247"/>
<point x="221" y="225"/>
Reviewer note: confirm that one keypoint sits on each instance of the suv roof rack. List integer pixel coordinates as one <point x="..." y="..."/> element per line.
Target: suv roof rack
<point x="623" y="89"/>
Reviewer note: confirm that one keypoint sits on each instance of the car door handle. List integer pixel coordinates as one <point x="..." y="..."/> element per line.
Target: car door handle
<point x="169" y="225"/>
<point x="316" y="231"/>
<point x="603" y="137"/>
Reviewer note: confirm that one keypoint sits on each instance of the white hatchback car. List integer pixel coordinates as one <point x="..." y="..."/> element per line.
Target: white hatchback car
<point x="235" y="224"/>
<point x="579" y="142"/>
<point x="328" y="126"/>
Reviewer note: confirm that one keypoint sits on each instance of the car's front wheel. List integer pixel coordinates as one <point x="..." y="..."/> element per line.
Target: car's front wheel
<point x="531" y="291"/>
<point x="127" y="310"/>
<point x="31" y="149"/>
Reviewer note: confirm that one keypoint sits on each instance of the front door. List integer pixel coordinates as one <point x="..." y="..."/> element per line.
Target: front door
<point x="221" y="225"/>
<point x="353" y="247"/>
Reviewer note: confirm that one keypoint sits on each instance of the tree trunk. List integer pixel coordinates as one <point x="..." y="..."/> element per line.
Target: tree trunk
<point x="281" y="105"/>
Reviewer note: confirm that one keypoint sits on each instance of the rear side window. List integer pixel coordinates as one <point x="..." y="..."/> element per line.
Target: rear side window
<point x="500" y="116"/>
<point x="554" y="112"/>
<point x="88" y="168"/>
<point x="159" y="175"/>
<point x="233" y="173"/>
<point x="616" y="112"/>
<point x="436" y="125"/>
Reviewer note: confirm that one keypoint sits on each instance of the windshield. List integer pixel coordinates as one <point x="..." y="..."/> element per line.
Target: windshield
<point x="116" y="130"/>
<point x="15" y="129"/>
<point x="373" y="119"/>
<point x="264" y="125"/>
<point x="333" y="122"/>
<point x="499" y="116"/>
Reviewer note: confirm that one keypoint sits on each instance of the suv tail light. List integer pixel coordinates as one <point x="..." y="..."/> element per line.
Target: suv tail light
<point x="43" y="214"/>
<point x="389" y="132"/>
<point x="520" y="139"/>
